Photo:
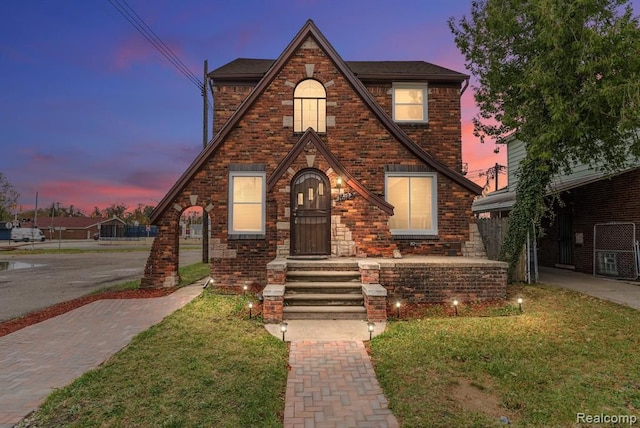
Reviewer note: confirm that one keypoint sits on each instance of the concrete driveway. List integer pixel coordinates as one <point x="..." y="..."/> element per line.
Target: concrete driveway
<point x="38" y="281"/>
<point x="618" y="291"/>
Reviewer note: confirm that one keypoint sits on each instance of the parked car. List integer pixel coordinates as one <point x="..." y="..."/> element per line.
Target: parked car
<point x="27" y="234"/>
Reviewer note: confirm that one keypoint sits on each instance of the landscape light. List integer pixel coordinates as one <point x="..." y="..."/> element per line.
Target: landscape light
<point x="250" y="308"/>
<point x="398" y="308"/>
<point x="520" y="303"/>
<point x="283" y="329"/>
<point x="455" y="306"/>
<point x="370" y="327"/>
<point x="244" y="289"/>
<point x="209" y="281"/>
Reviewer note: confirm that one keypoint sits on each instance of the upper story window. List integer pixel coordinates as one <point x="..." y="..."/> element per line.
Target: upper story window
<point x="410" y="102"/>
<point x="309" y="106"/>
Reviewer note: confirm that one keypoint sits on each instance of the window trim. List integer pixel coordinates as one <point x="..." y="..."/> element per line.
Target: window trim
<point x="240" y="233"/>
<point x="302" y="103"/>
<point x="434" y="203"/>
<point x="425" y="91"/>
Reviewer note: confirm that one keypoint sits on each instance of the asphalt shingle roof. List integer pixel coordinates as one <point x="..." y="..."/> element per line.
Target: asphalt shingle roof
<point x="253" y="68"/>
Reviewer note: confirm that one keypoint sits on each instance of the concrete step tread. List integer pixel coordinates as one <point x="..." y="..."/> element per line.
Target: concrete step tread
<point x="356" y="285"/>
<point x="322" y="273"/>
<point x="324" y="309"/>
<point x="323" y="296"/>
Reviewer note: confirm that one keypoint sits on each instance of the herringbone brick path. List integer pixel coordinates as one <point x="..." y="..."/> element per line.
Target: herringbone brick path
<point x="332" y="384"/>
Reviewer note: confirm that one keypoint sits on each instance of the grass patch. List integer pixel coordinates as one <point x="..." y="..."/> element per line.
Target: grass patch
<point x="205" y="365"/>
<point x="567" y="353"/>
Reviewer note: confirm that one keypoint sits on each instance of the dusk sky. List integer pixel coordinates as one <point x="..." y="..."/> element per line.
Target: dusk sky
<point x="91" y="114"/>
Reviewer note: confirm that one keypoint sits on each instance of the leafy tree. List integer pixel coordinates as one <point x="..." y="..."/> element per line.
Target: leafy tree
<point x="140" y="214"/>
<point x="561" y="75"/>
<point x="8" y="198"/>
<point x="115" y="211"/>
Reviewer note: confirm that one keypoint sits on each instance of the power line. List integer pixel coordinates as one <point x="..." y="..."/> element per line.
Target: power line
<point x="141" y="26"/>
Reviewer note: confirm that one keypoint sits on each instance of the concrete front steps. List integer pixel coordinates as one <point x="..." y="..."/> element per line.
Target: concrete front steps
<point x="332" y="293"/>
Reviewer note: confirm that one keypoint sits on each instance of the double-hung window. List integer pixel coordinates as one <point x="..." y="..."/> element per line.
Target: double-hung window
<point x="309" y="106"/>
<point x="414" y="198"/>
<point x="247" y="202"/>
<point x="410" y="102"/>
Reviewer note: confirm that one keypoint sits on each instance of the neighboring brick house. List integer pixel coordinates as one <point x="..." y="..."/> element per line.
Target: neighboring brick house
<point x="589" y="197"/>
<point x="316" y="157"/>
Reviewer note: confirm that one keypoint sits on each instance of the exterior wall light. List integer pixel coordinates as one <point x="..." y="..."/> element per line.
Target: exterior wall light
<point x="339" y="184"/>
<point x="455" y="306"/>
<point x="283" y="328"/>
<point x="370" y="326"/>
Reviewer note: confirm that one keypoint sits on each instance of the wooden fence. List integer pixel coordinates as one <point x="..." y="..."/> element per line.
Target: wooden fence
<point x="493" y="232"/>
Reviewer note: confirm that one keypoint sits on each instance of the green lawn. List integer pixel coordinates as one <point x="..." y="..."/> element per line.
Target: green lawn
<point x="208" y="365"/>
<point x="565" y="354"/>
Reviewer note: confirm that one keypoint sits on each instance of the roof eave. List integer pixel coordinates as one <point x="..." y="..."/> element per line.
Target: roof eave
<point x="457" y="78"/>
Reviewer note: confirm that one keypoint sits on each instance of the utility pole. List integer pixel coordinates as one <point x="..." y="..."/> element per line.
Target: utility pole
<point x="205" y="139"/>
<point x="493" y="172"/>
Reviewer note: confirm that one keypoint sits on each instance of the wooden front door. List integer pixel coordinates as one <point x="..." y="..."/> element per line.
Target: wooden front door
<point x="310" y="214"/>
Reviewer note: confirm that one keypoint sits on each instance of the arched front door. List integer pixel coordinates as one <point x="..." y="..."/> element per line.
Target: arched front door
<point x="310" y="213"/>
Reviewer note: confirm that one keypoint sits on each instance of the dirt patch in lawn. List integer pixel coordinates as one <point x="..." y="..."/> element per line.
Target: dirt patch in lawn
<point x="476" y="398"/>
<point x="15" y="324"/>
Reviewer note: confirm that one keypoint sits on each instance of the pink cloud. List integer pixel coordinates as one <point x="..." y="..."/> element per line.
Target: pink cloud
<point x="88" y="194"/>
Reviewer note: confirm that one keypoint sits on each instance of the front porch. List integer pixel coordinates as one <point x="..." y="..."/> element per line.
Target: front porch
<point x="381" y="281"/>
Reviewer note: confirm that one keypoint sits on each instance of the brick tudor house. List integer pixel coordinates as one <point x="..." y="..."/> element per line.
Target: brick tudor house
<point x="321" y="171"/>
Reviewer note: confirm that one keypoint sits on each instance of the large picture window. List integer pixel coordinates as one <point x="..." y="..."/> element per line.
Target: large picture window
<point x="309" y="106"/>
<point x="410" y="102"/>
<point x="246" y="202"/>
<point x="414" y="198"/>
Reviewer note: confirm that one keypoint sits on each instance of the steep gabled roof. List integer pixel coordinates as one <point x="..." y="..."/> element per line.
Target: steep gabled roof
<point x="253" y="69"/>
<point x="308" y="30"/>
<point x="311" y="137"/>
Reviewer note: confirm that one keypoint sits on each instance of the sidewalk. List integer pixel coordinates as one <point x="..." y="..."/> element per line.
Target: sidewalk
<point x="40" y="358"/>
<point x="618" y="291"/>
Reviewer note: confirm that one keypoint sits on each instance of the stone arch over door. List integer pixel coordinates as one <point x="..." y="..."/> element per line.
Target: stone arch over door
<point x="310" y="213"/>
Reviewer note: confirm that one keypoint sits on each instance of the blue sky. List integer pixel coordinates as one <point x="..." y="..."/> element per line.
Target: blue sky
<point x="91" y="114"/>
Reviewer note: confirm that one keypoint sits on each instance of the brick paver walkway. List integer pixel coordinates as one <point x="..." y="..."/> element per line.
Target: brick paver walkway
<point x="332" y="384"/>
<point x="37" y="359"/>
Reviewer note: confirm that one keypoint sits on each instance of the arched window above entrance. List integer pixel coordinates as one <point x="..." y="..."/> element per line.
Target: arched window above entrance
<point x="309" y="106"/>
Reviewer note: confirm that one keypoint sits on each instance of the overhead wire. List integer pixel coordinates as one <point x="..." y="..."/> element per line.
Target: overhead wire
<point x="143" y="28"/>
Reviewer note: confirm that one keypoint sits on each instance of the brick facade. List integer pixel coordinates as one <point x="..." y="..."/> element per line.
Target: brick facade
<point x="262" y="134"/>
<point x="604" y="201"/>
<point x="442" y="280"/>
